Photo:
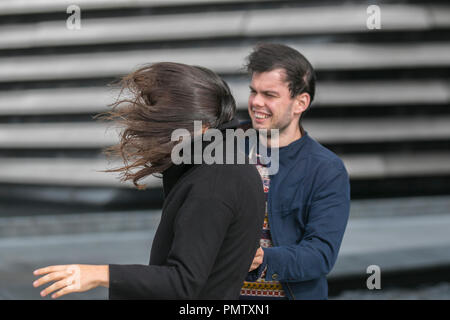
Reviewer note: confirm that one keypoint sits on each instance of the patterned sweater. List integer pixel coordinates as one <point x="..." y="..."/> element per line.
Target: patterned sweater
<point x="262" y="288"/>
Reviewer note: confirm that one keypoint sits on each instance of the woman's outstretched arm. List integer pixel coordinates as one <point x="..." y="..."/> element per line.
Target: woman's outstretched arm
<point x="199" y="231"/>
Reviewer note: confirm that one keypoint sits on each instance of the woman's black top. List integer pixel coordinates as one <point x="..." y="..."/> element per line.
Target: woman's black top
<point x="209" y="231"/>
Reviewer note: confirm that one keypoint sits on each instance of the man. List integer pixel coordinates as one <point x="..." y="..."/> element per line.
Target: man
<point x="308" y="199"/>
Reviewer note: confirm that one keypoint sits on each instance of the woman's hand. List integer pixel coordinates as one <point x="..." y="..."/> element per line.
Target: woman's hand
<point x="71" y="278"/>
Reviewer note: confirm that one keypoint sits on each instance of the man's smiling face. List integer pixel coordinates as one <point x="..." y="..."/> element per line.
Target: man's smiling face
<point x="270" y="105"/>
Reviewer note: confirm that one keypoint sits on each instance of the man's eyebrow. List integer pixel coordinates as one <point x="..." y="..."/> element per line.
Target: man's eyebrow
<point x="266" y="92"/>
<point x="271" y="93"/>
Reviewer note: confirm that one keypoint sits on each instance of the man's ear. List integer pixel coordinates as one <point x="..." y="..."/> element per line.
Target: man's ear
<point x="302" y="102"/>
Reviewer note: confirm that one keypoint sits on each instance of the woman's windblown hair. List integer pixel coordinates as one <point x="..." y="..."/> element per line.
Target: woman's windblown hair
<point x="156" y="100"/>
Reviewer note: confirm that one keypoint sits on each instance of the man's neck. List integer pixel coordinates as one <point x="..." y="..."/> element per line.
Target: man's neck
<point x="287" y="136"/>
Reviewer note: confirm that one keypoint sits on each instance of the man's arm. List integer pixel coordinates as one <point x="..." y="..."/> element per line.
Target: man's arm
<point x="315" y="255"/>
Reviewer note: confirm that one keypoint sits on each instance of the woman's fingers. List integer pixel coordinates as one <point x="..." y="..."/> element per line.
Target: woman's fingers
<point x="67" y="279"/>
<point x="62" y="292"/>
<point x="57" y="285"/>
<point x="49" y="269"/>
<point x="53" y="276"/>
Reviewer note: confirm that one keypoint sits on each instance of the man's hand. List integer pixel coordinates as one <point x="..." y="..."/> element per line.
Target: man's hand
<point x="258" y="259"/>
<point x="71" y="278"/>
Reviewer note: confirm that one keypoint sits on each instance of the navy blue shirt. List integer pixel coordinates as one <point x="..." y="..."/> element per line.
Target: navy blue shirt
<point x="308" y="208"/>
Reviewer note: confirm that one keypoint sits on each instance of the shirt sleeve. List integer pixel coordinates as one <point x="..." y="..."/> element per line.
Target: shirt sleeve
<point x="199" y="230"/>
<point x="314" y="256"/>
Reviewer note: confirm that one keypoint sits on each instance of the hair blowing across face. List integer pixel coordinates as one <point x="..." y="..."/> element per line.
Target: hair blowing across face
<point x="153" y="102"/>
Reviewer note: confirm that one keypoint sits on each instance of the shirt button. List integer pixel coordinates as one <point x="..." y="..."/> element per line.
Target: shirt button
<point x="274" y="276"/>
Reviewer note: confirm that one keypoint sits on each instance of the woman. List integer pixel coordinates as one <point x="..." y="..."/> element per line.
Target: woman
<point x="212" y="214"/>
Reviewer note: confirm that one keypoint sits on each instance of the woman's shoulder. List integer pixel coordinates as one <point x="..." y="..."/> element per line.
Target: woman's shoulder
<point x="223" y="179"/>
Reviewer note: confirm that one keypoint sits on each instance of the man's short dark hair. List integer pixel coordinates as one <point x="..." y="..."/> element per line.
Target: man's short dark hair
<point x="300" y="74"/>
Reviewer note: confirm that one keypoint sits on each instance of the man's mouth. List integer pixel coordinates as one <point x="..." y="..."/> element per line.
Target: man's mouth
<point x="260" y="115"/>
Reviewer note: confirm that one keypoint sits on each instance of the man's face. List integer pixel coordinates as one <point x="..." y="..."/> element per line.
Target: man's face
<point x="270" y="105"/>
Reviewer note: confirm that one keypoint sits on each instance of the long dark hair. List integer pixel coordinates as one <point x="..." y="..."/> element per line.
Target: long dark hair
<point x="154" y="101"/>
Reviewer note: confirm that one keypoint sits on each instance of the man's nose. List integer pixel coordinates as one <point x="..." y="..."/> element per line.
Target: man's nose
<point x="258" y="101"/>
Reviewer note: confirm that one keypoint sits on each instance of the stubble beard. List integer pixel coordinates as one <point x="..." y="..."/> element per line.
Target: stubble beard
<point x="281" y="125"/>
